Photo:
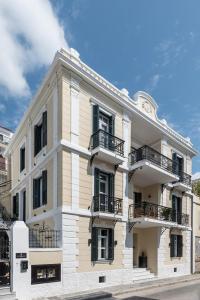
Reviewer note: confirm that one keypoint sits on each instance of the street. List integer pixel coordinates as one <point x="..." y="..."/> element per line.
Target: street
<point x="183" y="291"/>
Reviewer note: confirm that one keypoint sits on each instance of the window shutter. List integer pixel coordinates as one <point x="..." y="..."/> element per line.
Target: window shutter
<point x="96" y="190"/>
<point x="111" y="189"/>
<point x="95" y="126"/>
<point x="21" y="158"/>
<point x="179" y="245"/>
<point x="36" y="199"/>
<point x="94" y="244"/>
<point x="44" y="187"/>
<point x="110" y="244"/>
<point x="95" y="118"/>
<point x="174" y="208"/>
<point x="172" y="252"/>
<point x="14" y="206"/>
<point x="35" y="140"/>
<point x="175" y="163"/>
<point x="17" y="206"/>
<point x="44" y="128"/>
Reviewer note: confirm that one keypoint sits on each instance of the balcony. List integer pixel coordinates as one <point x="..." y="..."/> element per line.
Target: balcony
<point x="184" y="183"/>
<point x="107" y="146"/>
<point x="107" y="207"/>
<point x="152" y="167"/>
<point x="148" y="214"/>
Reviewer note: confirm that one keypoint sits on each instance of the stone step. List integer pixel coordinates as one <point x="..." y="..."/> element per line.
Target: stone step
<point x="5" y="294"/>
<point x="143" y="271"/>
<point x="143" y="277"/>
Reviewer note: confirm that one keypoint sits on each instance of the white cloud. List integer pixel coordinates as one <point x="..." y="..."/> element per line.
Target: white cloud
<point x="153" y="82"/>
<point x="30" y="35"/>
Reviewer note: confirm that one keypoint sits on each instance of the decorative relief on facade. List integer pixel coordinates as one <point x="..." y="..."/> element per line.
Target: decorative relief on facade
<point x="146" y="104"/>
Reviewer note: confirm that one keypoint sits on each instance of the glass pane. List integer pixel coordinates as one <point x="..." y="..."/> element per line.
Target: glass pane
<point x="51" y="272"/>
<point x="102" y="187"/>
<point x="103" y="253"/>
<point x="41" y="273"/>
<point x="104" y="232"/>
<point x="103" y="242"/>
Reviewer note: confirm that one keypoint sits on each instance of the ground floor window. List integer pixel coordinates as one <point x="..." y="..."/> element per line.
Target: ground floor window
<point x="45" y="273"/>
<point x="102" y="244"/>
<point x="176" y="245"/>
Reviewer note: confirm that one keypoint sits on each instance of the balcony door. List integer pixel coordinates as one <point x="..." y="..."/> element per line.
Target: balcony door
<point x="178" y="164"/>
<point x="103" y="192"/>
<point x="104" y="124"/>
<point x="177" y="209"/>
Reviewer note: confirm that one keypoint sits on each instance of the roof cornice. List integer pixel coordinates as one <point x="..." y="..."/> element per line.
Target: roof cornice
<point x="70" y="59"/>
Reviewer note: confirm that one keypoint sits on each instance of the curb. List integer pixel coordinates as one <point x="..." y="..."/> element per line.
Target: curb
<point x="153" y="285"/>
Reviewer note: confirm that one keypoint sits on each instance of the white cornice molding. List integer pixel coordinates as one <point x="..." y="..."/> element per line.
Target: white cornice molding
<point x="70" y="59"/>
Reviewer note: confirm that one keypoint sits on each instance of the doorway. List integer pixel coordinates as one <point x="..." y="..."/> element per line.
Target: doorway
<point x="135" y="250"/>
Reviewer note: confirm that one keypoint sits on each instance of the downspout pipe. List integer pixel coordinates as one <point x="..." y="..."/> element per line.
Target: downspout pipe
<point x="192" y="199"/>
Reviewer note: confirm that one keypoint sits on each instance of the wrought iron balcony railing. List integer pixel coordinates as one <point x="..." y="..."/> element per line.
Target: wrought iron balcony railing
<point x="107" y="141"/>
<point x="159" y="212"/>
<point x="185" y="179"/>
<point x="148" y="153"/>
<point x="43" y="238"/>
<point x="107" y="204"/>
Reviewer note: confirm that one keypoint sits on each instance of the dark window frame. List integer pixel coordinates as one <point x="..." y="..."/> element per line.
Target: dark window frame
<point x="176" y="240"/>
<point x="35" y="268"/>
<point x="95" y="248"/>
<point x="40" y="190"/>
<point x="22" y="158"/>
<point x="40" y="134"/>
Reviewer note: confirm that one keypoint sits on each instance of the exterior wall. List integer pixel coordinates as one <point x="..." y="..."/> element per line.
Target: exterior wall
<point x="45" y="256"/>
<point x="196" y="234"/>
<point x="68" y="100"/>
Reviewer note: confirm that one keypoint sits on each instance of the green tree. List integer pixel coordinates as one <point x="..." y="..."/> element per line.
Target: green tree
<point x="196" y="188"/>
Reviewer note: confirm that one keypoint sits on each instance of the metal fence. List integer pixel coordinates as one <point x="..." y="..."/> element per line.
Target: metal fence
<point x="159" y="212"/>
<point x="39" y="238"/>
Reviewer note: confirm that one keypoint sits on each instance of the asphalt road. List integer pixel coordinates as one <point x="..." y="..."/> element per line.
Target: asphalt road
<point x="186" y="291"/>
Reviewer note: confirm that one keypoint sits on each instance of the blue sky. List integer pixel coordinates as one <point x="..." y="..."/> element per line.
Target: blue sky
<point x="138" y="45"/>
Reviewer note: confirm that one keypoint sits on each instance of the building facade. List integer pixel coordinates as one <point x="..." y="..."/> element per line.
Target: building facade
<point x="102" y="171"/>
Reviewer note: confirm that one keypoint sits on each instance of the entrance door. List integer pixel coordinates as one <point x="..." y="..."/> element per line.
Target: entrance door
<point x="135" y="250"/>
<point x="4" y="259"/>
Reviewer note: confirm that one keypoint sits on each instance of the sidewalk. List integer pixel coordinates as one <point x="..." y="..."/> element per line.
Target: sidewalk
<point x="109" y="292"/>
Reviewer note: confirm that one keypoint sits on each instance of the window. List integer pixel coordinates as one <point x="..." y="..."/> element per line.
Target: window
<point x="176" y="209"/>
<point x="102" y="244"/>
<point x="178" y="164"/>
<point x="40" y="134"/>
<point x="16" y="206"/>
<point x="104" y="191"/>
<point x="40" y="190"/>
<point x="176" y="245"/>
<point x="22" y="158"/>
<point x="45" y="273"/>
<point x="1" y="137"/>
<point x="102" y="120"/>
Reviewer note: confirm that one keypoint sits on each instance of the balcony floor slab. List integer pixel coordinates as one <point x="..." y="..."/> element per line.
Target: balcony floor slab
<point x="148" y="173"/>
<point x="110" y="216"/>
<point x="182" y="187"/>
<point x="108" y="155"/>
<point x="145" y="222"/>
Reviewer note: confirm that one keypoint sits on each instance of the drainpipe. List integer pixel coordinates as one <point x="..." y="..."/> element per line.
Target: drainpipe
<point x="192" y="235"/>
